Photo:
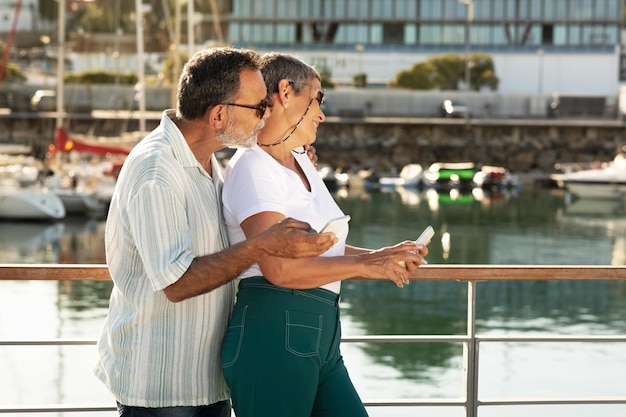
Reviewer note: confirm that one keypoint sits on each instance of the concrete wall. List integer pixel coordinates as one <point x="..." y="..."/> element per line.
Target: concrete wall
<point x="385" y="102"/>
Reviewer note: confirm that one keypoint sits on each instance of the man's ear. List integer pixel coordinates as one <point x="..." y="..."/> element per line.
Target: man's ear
<point x="216" y="116"/>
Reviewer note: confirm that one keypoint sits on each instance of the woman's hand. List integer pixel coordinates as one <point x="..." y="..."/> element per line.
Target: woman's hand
<point x="393" y="263"/>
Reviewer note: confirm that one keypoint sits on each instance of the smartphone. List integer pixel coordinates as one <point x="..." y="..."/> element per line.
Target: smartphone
<point x="426" y="235"/>
<point x="336" y="225"/>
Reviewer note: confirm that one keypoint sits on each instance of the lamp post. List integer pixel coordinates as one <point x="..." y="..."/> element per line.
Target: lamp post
<point x="469" y="16"/>
<point x="540" y="53"/>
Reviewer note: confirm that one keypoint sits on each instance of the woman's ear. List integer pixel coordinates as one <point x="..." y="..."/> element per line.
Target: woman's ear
<point x="285" y="92"/>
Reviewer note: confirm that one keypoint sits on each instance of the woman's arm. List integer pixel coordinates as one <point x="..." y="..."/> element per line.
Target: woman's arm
<point x="316" y="271"/>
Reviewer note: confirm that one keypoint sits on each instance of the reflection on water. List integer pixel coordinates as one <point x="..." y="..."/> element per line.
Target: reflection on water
<point x="530" y="227"/>
<point x="74" y="240"/>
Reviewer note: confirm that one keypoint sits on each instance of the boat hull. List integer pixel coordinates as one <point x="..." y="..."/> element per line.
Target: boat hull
<point x="21" y="204"/>
<point x="596" y="189"/>
<point x="76" y="202"/>
<point x="607" y="183"/>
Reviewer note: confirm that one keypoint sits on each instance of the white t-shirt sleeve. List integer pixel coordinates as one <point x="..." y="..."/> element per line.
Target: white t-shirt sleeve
<point x="253" y="186"/>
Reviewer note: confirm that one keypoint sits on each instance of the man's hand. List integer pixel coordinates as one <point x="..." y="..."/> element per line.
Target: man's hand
<point x="311" y="152"/>
<point x="292" y="238"/>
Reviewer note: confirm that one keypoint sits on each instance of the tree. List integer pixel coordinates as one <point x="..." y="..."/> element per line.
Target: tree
<point x="12" y="72"/>
<point x="421" y="76"/>
<point x="483" y="73"/>
<point x="447" y="71"/>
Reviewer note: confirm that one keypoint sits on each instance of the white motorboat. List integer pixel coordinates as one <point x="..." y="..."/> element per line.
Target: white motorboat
<point x="77" y="198"/>
<point x="411" y="176"/>
<point x="80" y="202"/>
<point x="607" y="181"/>
<point x="30" y="204"/>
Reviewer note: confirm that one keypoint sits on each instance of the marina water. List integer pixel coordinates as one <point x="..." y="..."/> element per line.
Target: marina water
<point x="534" y="226"/>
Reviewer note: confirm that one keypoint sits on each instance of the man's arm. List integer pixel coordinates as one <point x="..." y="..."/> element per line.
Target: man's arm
<point x="288" y="239"/>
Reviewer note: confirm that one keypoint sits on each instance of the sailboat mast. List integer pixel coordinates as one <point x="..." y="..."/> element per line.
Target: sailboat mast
<point x="141" y="83"/>
<point x="61" y="66"/>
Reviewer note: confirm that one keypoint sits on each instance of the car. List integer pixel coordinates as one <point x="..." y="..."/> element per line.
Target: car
<point x="451" y="108"/>
<point x="44" y="100"/>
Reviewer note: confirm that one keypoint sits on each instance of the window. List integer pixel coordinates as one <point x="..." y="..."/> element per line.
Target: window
<point x="573" y="35"/>
<point x="595" y="35"/>
<point x="430" y="9"/>
<point x="454" y="10"/>
<point x="547" y="34"/>
<point x="482" y="9"/>
<point x="376" y="33"/>
<point x="285" y="33"/>
<point x="453" y="35"/>
<point x="358" y="8"/>
<point x="498" y="10"/>
<point x="352" y="33"/>
<point x="581" y="10"/>
<point x="561" y="8"/>
<point x="405" y="8"/>
<point x="393" y="33"/>
<point x="430" y="34"/>
<point x="498" y="37"/>
<point x="559" y="33"/>
<point x="410" y="34"/>
<point x="285" y="7"/>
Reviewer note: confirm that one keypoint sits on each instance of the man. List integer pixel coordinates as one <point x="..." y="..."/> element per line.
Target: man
<point x="167" y="246"/>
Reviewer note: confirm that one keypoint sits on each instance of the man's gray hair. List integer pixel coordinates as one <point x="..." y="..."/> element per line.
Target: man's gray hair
<point x="211" y="77"/>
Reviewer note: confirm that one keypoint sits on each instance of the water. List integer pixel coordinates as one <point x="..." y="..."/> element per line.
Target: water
<point x="530" y="227"/>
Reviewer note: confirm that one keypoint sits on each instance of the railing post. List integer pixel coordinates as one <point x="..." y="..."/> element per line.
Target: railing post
<point x="470" y="355"/>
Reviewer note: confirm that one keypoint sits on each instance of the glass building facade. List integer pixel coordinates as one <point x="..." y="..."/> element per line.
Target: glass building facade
<point x="493" y="24"/>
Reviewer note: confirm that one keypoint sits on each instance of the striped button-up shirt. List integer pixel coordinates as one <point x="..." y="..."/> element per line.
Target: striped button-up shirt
<point x="165" y="211"/>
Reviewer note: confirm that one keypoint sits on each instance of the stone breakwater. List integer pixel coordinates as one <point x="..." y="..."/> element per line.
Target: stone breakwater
<point x="521" y="146"/>
<point x="387" y="144"/>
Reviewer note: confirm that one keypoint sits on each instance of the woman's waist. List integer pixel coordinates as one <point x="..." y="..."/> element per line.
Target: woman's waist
<point x="320" y="294"/>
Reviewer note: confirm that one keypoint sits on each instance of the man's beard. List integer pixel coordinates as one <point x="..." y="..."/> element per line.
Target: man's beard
<point x="234" y="137"/>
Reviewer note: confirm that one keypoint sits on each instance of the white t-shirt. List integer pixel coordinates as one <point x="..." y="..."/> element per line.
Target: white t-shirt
<point x="255" y="182"/>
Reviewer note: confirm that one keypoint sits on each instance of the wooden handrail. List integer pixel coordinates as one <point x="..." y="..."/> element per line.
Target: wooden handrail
<point x="99" y="272"/>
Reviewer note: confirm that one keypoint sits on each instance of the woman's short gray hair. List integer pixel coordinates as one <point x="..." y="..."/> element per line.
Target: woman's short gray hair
<point x="277" y="66"/>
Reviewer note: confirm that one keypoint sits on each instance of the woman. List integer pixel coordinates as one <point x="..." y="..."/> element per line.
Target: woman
<point x="281" y="353"/>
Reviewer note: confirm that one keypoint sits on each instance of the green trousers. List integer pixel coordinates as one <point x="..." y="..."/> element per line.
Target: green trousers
<point x="281" y="355"/>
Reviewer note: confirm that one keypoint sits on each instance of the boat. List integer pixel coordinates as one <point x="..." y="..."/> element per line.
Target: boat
<point x="411" y="176"/>
<point x="75" y="186"/>
<point x="33" y="203"/>
<point x="607" y="181"/>
<point x="97" y="196"/>
<point x="327" y="174"/>
<point x="491" y="177"/>
<point x="450" y="175"/>
<point x="78" y="201"/>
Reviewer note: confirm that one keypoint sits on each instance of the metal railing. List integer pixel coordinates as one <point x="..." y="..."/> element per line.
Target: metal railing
<point x="472" y="274"/>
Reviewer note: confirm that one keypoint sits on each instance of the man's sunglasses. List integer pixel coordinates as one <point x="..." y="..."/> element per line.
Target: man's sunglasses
<point x="260" y="108"/>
